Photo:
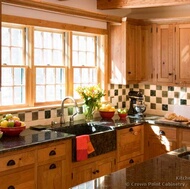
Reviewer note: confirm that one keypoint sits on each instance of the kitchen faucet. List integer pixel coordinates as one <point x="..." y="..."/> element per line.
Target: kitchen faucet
<point x="62" y="120"/>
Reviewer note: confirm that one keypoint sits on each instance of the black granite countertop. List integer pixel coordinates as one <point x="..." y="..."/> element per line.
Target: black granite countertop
<point x="29" y="138"/>
<point x="165" y="171"/>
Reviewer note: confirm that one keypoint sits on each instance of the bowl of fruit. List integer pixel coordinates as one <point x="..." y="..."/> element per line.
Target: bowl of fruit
<point x="122" y="113"/>
<point x="11" y="125"/>
<point x="106" y="111"/>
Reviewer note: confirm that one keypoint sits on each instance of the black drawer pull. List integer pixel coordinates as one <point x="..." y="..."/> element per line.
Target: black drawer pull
<point x="97" y="171"/>
<point x="94" y="172"/>
<point x="11" y="187"/>
<point x="162" y="133"/>
<point x="52" y="166"/>
<point x="131" y="161"/>
<point x="52" y="153"/>
<point x="131" y="130"/>
<point x="11" y="162"/>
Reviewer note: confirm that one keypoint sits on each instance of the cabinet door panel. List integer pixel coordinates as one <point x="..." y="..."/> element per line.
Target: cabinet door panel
<point x="18" y="180"/>
<point x="50" y="176"/>
<point x="183" y="53"/>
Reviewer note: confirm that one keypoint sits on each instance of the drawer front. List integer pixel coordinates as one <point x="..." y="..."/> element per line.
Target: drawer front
<point x="16" y="161"/>
<point x="130" y="162"/>
<point x="51" y="152"/>
<point x="18" y="180"/>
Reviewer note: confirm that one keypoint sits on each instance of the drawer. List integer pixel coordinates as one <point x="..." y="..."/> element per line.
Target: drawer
<point x="130" y="162"/>
<point x="17" y="160"/>
<point x="51" y="152"/>
<point x="18" y="180"/>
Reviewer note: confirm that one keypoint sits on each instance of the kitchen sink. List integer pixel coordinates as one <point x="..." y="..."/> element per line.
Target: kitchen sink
<point x="83" y="129"/>
<point x="185" y="155"/>
<point x="103" y="138"/>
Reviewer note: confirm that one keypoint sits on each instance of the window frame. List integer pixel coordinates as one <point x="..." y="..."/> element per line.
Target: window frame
<point x="71" y="28"/>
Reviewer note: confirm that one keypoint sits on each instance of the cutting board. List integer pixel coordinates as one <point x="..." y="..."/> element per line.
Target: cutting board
<point x="170" y="122"/>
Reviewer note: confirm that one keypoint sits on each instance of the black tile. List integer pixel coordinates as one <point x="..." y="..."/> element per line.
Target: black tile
<point x="116" y="92"/>
<point x="59" y="113"/>
<point x="170" y="88"/>
<point x="141" y="90"/>
<point x="188" y="95"/>
<point x="123" y="91"/>
<point x="176" y="94"/>
<point x="21" y="116"/>
<point x="47" y="114"/>
<point x="164" y="107"/>
<point x="123" y="104"/>
<point x="120" y="98"/>
<point x="80" y="110"/>
<point x="153" y="106"/>
<point x="136" y="86"/>
<point x="120" y="86"/>
<point x="158" y="100"/>
<point x="158" y="87"/>
<point x="112" y="86"/>
<point x="34" y="116"/>
<point x="170" y="101"/>
<point x="164" y="93"/>
<point x="108" y="92"/>
<point x="147" y="98"/>
<point x="147" y="86"/>
<point x="152" y="92"/>
<point x="183" y="102"/>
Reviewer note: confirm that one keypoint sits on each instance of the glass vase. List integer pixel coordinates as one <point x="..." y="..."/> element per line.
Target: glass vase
<point x="88" y="112"/>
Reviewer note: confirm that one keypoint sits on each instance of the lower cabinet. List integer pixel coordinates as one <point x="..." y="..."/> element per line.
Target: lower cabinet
<point x="93" y="168"/>
<point x="130" y="146"/>
<point x="184" y="139"/>
<point x="54" y="166"/>
<point x="159" y="140"/>
<point x="17" y="170"/>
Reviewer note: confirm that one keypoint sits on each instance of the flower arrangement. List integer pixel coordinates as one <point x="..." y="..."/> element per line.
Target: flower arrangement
<point x="92" y="98"/>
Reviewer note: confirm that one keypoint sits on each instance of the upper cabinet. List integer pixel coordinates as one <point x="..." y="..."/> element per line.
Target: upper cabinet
<point x="163" y="53"/>
<point x="182" y="43"/>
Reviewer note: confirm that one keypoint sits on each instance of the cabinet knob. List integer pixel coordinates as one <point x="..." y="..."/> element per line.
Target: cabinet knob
<point x="162" y="133"/>
<point x="94" y="172"/>
<point x="131" y="130"/>
<point x="11" y="162"/>
<point x="11" y="187"/>
<point x="131" y="161"/>
<point x="97" y="171"/>
<point x="129" y="72"/>
<point x="170" y="73"/>
<point x="52" y="166"/>
<point x="52" y="153"/>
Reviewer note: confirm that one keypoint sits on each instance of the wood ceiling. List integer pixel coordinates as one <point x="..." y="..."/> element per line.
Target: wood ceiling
<point x="115" y="4"/>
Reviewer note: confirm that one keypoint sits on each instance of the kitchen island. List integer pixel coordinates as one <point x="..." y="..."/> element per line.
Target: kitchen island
<point x="165" y="171"/>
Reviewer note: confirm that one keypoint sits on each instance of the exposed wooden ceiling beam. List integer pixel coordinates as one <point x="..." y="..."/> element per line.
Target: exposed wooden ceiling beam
<point x="115" y="4"/>
<point x="57" y="8"/>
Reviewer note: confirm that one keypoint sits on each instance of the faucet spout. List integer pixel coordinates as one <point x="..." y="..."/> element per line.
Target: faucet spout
<point x="62" y="119"/>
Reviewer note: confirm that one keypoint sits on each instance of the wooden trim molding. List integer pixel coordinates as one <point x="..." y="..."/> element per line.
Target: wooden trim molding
<point x="52" y="7"/>
<point x="51" y="24"/>
<point x="114" y="4"/>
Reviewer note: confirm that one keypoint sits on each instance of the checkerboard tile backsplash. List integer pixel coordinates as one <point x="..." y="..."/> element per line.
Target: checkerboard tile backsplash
<point x="158" y="99"/>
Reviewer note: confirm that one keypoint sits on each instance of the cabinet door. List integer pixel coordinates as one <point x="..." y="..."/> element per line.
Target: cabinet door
<point x="159" y="140"/>
<point x="117" y="40"/>
<point x="105" y="167"/>
<point x="183" y="53"/>
<point x="132" y="33"/>
<point x="184" y="139"/>
<point x="50" y="176"/>
<point x="18" y="180"/>
<point x="83" y="174"/>
<point x="165" y="48"/>
<point x="145" y="67"/>
<point x="130" y="142"/>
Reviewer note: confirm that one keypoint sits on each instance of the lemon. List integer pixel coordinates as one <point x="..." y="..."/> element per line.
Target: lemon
<point x="4" y="123"/>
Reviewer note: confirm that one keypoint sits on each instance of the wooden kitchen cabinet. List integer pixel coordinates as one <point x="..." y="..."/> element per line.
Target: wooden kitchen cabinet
<point x="54" y="162"/>
<point x="182" y="42"/>
<point x="130" y="146"/>
<point x="93" y="168"/>
<point x="164" y="54"/>
<point x="159" y="140"/>
<point x="184" y="139"/>
<point x="17" y="170"/>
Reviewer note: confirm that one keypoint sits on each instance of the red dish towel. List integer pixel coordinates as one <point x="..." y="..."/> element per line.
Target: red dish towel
<point x="83" y="147"/>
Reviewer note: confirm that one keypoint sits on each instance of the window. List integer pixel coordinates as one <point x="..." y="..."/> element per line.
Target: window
<point x="13" y="89"/>
<point x="49" y="65"/>
<point x="41" y="66"/>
